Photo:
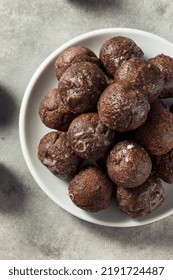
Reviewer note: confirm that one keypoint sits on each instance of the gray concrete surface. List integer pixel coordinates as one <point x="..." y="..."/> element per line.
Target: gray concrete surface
<point x="31" y="225"/>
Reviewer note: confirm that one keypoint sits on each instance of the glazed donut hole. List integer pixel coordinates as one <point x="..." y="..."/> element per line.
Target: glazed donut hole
<point x="116" y="50"/>
<point x="74" y="55"/>
<point x="53" y="112"/>
<point x="138" y="202"/>
<point x="123" y="109"/>
<point x="165" y="65"/>
<point x="128" y="164"/>
<point x="111" y="134"/>
<point x="81" y="86"/>
<point x="55" y="153"/>
<point x="141" y="74"/>
<point x="89" y="137"/>
<point x="91" y="189"/>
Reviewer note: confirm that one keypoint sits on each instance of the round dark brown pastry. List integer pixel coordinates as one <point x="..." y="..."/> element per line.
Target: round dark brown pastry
<point x="91" y="189"/>
<point x="73" y="55"/>
<point x="128" y="164"/>
<point x="156" y="134"/>
<point x="56" y="154"/>
<point x="163" y="166"/>
<point x="122" y="109"/>
<point x="116" y="50"/>
<point x="81" y="86"/>
<point x="89" y="137"/>
<point x="165" y="64"/>
<point x="140" y="201"/>
<point x="54" y="113"/>
<point x="141" y="74"/>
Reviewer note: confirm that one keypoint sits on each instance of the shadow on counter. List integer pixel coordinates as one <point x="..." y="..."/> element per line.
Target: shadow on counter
<point x="158" y="233"/>
<point x="8" y="107"/>
<point x="11" y="192"/>
<point x="97" y="5"/>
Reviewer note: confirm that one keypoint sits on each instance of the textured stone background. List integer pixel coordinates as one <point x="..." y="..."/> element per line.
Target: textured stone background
<point x="31" y="225"/>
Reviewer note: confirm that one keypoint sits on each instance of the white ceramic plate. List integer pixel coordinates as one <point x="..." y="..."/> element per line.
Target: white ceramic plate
<point x="31" y="129"/>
